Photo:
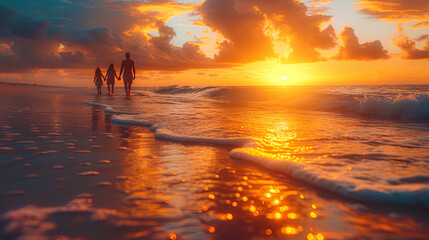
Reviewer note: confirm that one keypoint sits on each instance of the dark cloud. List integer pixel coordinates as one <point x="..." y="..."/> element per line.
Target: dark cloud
<point x="28" y="27"/>
<point x="397" y="10"/>
<point x="70" y="34"/>
<point x="351" y="49"/>
<point x="244" y="24"/>
<point x="408" y="47"/>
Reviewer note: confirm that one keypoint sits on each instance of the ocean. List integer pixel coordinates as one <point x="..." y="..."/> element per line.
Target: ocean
<point x="312" y="162"/>
<point x="370" y="143"/>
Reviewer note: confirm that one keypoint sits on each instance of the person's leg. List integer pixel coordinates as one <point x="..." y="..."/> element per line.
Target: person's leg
<point x="108" y="88"/>
<point x="125" y="86"/>
<point x="129" y="88"/>
<point x="113" y="88"/>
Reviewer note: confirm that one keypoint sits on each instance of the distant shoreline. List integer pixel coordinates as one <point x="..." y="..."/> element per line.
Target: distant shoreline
<point x="28" y="84"/>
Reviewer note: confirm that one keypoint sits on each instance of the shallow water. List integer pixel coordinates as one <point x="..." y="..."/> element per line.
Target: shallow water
<point x="375" y="138"/>
<point x="68" y="171"/>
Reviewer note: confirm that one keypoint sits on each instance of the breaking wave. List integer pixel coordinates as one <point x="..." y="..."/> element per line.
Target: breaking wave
<point x="377" y="105"/>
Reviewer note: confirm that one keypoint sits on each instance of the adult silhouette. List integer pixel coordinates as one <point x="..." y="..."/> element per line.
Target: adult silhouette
<point x="129" y="71"/>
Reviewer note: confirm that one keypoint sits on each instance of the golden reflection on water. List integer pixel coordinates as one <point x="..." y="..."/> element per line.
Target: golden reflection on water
<point x="172" y="181"/>
<point x="279" y="209"/>
<point x="280" y="143"/>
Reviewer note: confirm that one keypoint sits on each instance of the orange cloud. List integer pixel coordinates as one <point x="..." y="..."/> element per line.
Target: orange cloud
<point x="315" y="6"/>
<point x="249" y="25"/>
<point x="409" y="50"/>
<point x="397" y="10"/>
<point x="351" y="49"/>
<point x="419" y="25"/>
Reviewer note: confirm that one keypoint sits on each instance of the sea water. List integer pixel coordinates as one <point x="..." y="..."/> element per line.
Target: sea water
<point x="337" y="162"/>
<point x="368" y="143"/>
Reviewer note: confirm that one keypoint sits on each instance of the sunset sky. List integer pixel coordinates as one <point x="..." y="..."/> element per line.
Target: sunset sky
<point x="217" y="42"/>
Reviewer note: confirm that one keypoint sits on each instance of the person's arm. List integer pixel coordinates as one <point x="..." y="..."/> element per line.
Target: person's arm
<point x="95" y="77"/>
<point x="103" y="76"/>
<point x="134" y="71"/>
<point x="122" y="69"/>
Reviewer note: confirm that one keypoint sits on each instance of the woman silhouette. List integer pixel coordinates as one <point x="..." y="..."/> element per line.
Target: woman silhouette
<point x="111" y="75"/>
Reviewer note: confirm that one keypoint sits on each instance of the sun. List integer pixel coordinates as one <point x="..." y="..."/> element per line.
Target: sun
<point x="284" y="78"/>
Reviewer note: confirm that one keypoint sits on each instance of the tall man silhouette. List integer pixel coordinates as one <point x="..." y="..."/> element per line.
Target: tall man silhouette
<point x="127" y="67"/>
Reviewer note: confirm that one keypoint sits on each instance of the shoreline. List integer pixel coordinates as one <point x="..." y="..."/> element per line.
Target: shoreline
<point x="245" y="86"/>
<point x="30" y="85"/>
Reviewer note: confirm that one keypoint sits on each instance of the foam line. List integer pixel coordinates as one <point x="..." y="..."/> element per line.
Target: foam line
<point x="106" y="108"/>
<point x="119" y="120"/>
<point x="308" y="174"/>
<point x="162" y="132"/>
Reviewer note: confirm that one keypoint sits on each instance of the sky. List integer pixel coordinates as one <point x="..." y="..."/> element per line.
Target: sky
<point x="217" y="42"/>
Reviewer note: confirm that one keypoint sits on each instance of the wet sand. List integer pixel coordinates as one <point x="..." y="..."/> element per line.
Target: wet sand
<point x="67" y="172"/>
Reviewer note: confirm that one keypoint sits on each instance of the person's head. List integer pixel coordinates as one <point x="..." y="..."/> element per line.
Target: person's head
<point x="97" y="70"/>
<point x="112" y="66"/>
<point x="128" y="55"/>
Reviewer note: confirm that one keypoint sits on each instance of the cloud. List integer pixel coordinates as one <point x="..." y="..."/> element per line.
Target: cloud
<point x="401" y="11"/>
<point x="52" y="34"/>
<point x="244" y="31"/>
<point x="408" y="47"/>
<point x="83" y="34"/>
<point x="316" y="6"/>
<point x="351" y="49"/>
<point x="424" y="37"/>
<point x="251" y="27"/>
<point x="316" y="3"/>
<point x="419" y="25"/>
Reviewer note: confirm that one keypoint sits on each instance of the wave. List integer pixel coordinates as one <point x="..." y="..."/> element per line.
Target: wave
<point x="175" y="89"/>
<point x="410" y="191"/>
<point x="402" y="106"/>
<point x="106" y="108"/>
<point x="374" y="193"/>
<point x="163" y="132"/>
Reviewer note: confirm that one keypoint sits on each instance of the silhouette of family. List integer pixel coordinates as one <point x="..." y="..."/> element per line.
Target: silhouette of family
<point x="128" y="73"/>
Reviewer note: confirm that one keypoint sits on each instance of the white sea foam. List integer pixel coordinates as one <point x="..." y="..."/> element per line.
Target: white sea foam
<point x="107" y="108"/>
<point x="128" y="121"/>
<point x="405" y="194"/>
<point x="163" y="132"/>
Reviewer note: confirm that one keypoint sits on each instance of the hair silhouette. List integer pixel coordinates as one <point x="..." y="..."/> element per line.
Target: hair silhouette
<point x="111" y="67"/>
